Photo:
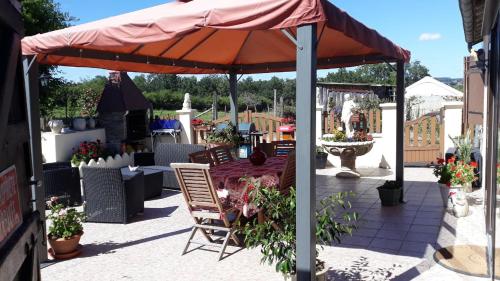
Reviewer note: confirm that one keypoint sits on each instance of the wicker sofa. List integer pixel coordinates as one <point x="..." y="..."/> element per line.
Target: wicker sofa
<point x="164" y="155"/>
<point x="111" y="197"/>
<point x="62" y="181"/>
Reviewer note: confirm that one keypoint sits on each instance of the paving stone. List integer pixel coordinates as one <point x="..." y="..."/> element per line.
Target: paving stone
<point x="391" y="234"/>
<point x="421" y="237"/>
<point x="153" y="242"/>
<point x="386" y="244"/>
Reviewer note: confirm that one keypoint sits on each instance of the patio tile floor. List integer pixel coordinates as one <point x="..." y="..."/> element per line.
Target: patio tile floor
<point x="392" y="243"/>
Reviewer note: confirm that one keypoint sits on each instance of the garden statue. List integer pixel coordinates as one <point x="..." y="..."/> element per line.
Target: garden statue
<point x="187" y="102"/>
<point x="347" y="112"/>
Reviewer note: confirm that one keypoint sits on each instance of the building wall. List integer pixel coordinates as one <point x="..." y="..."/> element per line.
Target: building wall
<point x="473" y="95"/>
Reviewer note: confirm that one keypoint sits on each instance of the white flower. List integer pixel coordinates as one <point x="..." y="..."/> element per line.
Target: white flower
<point x="340" y="129"/>
<point x="62" y="212"/>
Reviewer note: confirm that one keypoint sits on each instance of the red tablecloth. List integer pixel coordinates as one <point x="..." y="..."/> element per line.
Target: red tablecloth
<point x="226" y="178"/>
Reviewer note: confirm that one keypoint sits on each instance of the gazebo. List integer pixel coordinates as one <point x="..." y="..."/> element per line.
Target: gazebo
<point x="233" y="37"/>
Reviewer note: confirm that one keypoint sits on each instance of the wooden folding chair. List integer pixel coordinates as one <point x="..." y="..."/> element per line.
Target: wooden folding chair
<point x="287" y="178"/>
<point x="283" y="147"/>
<point x="221" y="154"/>
<point x="202" y="157"/>
<point x="204" y="205"/>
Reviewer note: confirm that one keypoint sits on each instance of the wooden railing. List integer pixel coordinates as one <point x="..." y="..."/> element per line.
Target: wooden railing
<point x="266" y="123"/>
<point x="373" y="119"/>
<point x="423" y="139"/>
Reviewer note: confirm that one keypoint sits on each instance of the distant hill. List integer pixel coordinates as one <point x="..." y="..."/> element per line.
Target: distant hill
<point x="453" y="82"/>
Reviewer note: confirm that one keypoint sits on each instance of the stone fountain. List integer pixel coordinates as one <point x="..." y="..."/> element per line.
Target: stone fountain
<point x="348" y="152"/>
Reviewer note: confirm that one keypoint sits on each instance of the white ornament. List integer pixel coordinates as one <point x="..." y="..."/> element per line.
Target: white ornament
<point x="187" y="102"/>
<point x="347" y="112"/>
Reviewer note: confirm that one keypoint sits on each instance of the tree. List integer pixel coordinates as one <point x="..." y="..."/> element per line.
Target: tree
<point x="414" y="72"/>
<point x="141" y="82"/>
<point x="377" y="74"/>
<point x="42" y="16"/>
<point x="250" y="100"/>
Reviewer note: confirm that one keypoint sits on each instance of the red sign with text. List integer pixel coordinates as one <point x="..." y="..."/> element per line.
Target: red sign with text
<point x="10" y="210"/>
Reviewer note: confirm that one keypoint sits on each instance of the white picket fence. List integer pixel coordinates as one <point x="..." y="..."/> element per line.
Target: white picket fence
<point x="118" y="161"/>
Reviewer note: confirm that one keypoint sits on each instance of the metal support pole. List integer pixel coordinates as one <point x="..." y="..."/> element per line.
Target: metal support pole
<point x="233" y="98"/>
<point x="400" y="123"/>
<point x="33" y="110"/>
<point x="305" y="169"/>
<point x="490" y="181"/>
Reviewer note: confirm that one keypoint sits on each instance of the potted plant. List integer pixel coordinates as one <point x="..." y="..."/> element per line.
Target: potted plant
<point x="276" y="236"/>
<point x="65" y="230"/>
<point x="442" y="172"/>
<point x="56" y="125"/>
<point x="389" y="193"/>
<point x="321" y="157"/>
<point x="461" y="174"/>
<point x="87" y="151"/>
<point x="463" y="152"/>
<point x="226" y="136"/>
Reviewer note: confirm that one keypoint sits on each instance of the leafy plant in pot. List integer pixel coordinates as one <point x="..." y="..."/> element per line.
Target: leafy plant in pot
<point x="87" y="151"/>
<point x="462" y="175"/>
<point x="321" y="157"/>
<point x="65" y="230"/>
<point x="442" y="172"/>
<point x="276" y="236"/>
<point x="226" y="136"/>
<point x="389" y="193"/>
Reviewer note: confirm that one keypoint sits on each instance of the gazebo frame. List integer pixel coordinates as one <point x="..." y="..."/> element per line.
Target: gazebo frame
<point x="306" y="65"/>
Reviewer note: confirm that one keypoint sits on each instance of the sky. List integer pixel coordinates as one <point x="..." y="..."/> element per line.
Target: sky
<point x="431" y="30"/>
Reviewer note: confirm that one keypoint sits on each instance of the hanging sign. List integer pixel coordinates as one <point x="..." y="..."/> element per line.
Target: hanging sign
<point x="10" y="209"/>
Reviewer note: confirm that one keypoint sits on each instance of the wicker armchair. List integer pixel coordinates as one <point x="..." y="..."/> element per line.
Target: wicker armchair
<point x="111" y="197"/>
<point x="167" y="153"/>
<point x="63" y="181"/>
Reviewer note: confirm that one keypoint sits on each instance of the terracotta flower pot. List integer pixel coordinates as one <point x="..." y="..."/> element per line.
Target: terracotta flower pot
<point x="62" y="247"/>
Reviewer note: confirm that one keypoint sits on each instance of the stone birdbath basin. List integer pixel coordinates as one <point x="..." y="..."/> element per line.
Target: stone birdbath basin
<point x="348" y="152"/>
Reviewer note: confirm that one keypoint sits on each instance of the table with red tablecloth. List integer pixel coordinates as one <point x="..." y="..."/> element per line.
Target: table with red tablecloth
<point x="233" y="191"/>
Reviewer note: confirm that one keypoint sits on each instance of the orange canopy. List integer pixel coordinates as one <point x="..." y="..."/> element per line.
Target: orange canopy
<point x="215" y="36"/>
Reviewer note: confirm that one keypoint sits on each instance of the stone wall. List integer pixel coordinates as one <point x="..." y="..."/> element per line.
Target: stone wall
<point x="116" y="128"/>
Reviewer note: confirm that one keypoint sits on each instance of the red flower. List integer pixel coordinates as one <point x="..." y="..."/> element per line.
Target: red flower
<point x="451" y="160"/>
<point x="448" y="184"/>
<point x="459" y="175"/>
<point x="473" y="164"/>
<point x="440" y="161"/>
